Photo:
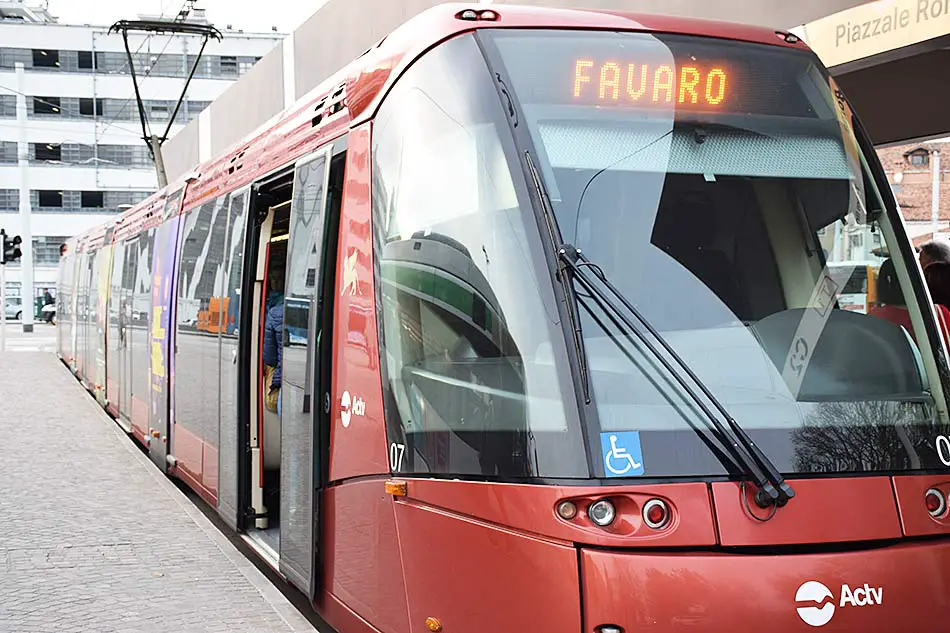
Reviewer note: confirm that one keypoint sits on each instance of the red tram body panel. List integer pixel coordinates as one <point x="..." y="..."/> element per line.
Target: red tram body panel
<point x="503" y="409"/>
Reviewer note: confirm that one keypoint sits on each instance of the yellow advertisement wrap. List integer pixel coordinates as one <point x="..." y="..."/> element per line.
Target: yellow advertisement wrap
<point x="102" y="320"/>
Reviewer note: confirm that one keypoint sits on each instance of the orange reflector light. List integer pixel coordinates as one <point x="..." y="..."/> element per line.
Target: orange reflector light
<point x="397" y="488"/>
<point x="433" y="625"/>
<point x="566" y="510"/>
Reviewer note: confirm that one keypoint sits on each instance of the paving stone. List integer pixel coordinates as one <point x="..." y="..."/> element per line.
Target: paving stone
<point x="95" y="538"/>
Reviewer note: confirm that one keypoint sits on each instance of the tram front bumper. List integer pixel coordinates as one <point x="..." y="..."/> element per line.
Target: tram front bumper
<point x="887" y="590"/>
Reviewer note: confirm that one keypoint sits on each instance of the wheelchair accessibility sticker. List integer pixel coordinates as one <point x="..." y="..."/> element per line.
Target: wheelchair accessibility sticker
<point x="622" y="455"/>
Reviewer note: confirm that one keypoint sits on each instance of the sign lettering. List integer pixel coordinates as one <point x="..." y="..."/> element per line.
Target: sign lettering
<point x="396" y="452"/>
<point x="654" y="84"/>
<point x="943" y="449"/>
<point x="875" y="27"/>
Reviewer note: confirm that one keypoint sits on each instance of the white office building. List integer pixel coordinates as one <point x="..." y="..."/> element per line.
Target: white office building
<point x="83" y="136"/>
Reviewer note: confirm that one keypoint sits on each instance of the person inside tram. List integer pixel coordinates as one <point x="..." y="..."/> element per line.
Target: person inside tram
<point x="273" y="339"/>
<point x="275" y="291"/>
<point x="937" y="274"/>
<point x="934" y="251"/>
<point x="890" y="301"/>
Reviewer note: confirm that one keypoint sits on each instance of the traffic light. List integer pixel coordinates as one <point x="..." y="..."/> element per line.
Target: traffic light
<point x="11" y="248"/>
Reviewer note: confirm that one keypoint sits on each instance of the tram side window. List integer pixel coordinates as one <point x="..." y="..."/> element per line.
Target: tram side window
<point x="200" y="288"/>
<point x="467" y="329"/>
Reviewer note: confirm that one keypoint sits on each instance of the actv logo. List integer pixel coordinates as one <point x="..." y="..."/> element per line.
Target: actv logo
<point x="821" y="612"/>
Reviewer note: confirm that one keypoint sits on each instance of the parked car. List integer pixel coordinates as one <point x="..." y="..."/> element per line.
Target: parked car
<point x="14" y="308"/>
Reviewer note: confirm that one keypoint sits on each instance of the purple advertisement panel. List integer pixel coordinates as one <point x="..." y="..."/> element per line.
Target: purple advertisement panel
<point x="161" y="324"/>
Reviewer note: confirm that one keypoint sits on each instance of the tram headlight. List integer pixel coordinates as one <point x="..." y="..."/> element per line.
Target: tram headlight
<point x="602" y="512"/>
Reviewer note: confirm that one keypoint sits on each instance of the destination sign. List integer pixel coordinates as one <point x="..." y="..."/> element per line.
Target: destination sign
<point x="662" y="75"/>
<point x="636" y="83"/>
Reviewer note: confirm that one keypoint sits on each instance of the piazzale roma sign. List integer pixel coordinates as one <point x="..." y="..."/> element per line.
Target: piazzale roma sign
<point x="876" y="27"/>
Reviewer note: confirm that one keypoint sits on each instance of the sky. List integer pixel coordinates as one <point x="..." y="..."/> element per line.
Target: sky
<point x="249" y="15"/>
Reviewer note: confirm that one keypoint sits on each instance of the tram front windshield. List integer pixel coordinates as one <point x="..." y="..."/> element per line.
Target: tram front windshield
<point x="720" y="188"/>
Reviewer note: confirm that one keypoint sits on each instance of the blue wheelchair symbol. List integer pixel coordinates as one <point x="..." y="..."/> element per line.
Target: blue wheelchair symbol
<point x="622" y="454"/>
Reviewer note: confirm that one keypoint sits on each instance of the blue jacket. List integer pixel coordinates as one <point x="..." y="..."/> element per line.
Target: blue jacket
<point x="273" y="340"/>
<point x="273" y="298"/>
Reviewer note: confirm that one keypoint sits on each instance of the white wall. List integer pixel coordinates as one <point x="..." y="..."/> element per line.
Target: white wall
<point x="83" y="38"/>
<point x="71" y="84"/>
<point x="54" y="223"/>
<point x="54" y="130"/>
<point x="71" y="178"/>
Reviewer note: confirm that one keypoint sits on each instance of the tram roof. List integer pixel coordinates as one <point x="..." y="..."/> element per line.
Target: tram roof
<point x="351" y="96"/>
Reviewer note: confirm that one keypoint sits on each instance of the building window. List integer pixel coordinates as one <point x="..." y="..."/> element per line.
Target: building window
<point x="115" y="199"/>
<point x="229" y="65"/>
<point x="111" y="62"/>
<point x="92" y="200"/>
<point x="46" y="250"/>
<point x="918" y="157"/>
<point x="7" y="106"/>
<point x="48" y="152"/>
<point x="86" y="106"/>
<point x="84" y="59"/>
<point x="8" y="152"/>
<point x="47" y="198"/>
<point x="45" y="58"/>
<point x="245" y="64"/>
<point x="134" y="156"/>
<point x="9" y="200"/>
<point x="160" y="111"/>
<point x="46" y="105"/>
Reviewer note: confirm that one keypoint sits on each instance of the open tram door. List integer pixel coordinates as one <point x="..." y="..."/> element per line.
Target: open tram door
<point x="295" y="216"/>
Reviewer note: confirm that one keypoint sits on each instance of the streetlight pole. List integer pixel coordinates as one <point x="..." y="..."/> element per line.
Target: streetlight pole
<point x="26" y="232"/>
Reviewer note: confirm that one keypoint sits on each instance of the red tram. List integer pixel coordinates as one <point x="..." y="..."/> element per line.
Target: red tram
<point x="561" y="344"/>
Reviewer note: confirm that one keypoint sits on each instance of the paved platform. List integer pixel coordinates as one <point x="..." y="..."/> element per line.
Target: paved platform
<point x="96" y="539"/>
<point x="14" y="339"/>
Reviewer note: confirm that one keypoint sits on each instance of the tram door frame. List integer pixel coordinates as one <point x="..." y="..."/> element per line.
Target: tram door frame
<point x="162" y="330"/>
<point x="233" y="471"/>
<point x="319" y="372"/>
<point x="299" y="562"/>
<point x="132" y="245"/>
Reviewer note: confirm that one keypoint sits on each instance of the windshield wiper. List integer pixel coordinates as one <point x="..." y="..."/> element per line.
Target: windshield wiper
<point x="773" y="490"/>
<point x="564" y="277"/>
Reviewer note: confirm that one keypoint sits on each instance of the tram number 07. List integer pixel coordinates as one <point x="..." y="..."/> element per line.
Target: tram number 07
<point x="943" y="449"/>
<point x="396" y="452"/>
